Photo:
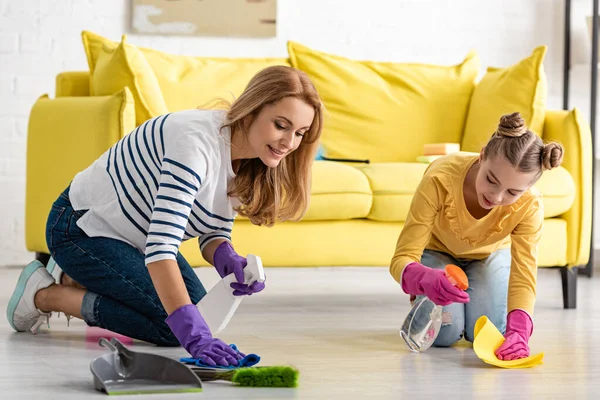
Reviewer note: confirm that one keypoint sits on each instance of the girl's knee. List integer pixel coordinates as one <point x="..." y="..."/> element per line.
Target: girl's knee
<point x="452" y="330"/>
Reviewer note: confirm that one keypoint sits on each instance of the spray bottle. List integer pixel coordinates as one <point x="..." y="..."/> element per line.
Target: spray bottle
<point x="424" y="321"/>
<point x="219" y="304"/>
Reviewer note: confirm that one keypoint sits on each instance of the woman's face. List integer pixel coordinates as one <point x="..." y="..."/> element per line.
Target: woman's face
<point x="278" y="129"/>
<point x="498" y="183"/>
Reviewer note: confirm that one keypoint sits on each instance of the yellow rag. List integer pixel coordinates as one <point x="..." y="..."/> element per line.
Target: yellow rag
<point x="488" y="338"/>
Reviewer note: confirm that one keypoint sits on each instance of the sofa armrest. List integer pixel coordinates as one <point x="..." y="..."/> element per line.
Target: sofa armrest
<point x="570" y="129"/>
<point x="65" y="135"/>
<point x="73" y="84"/>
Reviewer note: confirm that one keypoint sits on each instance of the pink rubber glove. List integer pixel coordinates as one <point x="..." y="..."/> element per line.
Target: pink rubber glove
<point x="418" y="279"/>
<point x="519" y="328"/>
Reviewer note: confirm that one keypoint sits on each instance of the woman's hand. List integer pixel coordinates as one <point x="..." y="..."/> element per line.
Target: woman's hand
<point x="193" y="333"/>
<point x="226" y="262"/>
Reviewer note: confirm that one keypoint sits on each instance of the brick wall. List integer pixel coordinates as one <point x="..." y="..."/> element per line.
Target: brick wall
<point x="39" y="38"/>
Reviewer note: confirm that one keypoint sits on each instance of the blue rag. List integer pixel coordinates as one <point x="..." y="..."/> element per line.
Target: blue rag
<point x="248" y="361"/>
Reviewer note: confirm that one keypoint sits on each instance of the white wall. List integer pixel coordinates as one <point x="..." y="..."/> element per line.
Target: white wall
<point x="39" y="38"/>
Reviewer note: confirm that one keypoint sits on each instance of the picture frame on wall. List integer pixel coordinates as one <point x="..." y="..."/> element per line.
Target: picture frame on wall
<point x="231" y="18"/>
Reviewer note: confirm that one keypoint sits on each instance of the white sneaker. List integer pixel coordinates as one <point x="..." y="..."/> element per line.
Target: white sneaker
<point x="21" y="312"/>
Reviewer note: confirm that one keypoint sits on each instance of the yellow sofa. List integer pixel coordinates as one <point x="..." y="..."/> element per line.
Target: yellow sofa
<point x="357" y="210"/>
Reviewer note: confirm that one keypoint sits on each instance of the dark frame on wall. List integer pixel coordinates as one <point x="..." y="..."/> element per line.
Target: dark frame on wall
<point x="589" y="268"/>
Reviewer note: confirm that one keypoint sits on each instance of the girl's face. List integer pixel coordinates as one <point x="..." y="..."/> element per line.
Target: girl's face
<point x="278" y="129"/>
<point x="498" y="183"/>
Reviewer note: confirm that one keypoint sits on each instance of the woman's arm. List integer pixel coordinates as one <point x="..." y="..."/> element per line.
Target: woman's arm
<point x="208" y="252"/>
<point x="169" y="284"/>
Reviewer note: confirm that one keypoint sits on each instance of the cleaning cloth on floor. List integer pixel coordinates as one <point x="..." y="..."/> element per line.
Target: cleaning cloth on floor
<point x="488" y="338"/>
<point x="249" y="361"/>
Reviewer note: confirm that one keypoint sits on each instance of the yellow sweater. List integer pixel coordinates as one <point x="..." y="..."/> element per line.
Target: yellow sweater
<point x="438" y="220"/>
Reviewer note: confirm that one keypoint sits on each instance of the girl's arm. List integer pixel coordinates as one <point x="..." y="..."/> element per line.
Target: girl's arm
<point x="417" y="230"/>
<point x="523" y="271"/>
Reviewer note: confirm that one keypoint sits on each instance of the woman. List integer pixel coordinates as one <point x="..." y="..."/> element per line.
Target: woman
<point x="116" y="230"/>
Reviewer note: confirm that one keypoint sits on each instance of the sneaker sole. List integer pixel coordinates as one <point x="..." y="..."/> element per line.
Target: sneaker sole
<point x="20" y="289"/>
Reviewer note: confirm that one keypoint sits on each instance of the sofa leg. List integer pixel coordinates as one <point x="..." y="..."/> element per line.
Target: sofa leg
<point x="569" y="287"/>
<point x="42" y="257"/>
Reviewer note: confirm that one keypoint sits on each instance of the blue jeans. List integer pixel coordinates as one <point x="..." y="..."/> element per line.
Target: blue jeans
<point x="120" y="294"/>
<point x="488" y="290"/>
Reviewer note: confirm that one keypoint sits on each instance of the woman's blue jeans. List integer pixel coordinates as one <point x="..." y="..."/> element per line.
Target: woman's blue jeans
<point x="120" y="294"/>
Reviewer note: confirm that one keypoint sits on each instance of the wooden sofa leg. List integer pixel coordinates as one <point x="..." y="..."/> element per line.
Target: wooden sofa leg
<point x="42" y="257"/>
<point x="569" y="287"/>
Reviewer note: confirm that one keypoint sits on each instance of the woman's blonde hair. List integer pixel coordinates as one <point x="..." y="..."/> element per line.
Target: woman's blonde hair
<point x="521" y="147"/>
<point x="282" y="193"/>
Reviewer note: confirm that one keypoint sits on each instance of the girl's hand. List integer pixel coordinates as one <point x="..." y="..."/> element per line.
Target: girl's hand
<point x="519" y="328"/>
<point x="418" y="279"/>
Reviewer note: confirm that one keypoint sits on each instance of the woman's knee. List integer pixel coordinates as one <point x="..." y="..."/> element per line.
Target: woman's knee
<point x="165" y="336"/>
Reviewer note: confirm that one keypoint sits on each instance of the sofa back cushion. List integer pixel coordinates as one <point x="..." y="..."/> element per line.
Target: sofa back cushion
<point x="521" y="88"/>
<point x="384" y="111"/>
<point x="186" y="81"/>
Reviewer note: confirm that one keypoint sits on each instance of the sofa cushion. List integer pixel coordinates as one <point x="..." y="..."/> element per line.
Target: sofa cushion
<point x="394" y="184"/>
<point x="338" y="192"/>
<point x="521" y="87"/>
<point x="187" y="81"/>
<point x="125" y="66"/>
<point x="386" y="111"/>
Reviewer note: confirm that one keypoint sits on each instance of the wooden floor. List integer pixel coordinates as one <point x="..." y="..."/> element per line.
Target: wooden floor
<point x="339" y="327"/>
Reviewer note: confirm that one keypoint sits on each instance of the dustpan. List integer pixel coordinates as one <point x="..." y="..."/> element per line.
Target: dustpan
<point x="123" y="371"/>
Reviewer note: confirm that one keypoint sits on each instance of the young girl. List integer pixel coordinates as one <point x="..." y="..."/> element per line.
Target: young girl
<point x="116" y="231"/>
<point x="482" y="214"/>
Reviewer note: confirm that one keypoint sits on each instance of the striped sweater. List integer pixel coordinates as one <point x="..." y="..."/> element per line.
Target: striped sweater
<point x="163" y="183"/>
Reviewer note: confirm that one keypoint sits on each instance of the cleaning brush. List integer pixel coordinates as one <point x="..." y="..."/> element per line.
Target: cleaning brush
<point x="282" y="377"/>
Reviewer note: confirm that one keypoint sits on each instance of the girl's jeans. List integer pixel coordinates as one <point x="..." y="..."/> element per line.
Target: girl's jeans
<point x="120" y="294"/>
<point x="488" y="289"/>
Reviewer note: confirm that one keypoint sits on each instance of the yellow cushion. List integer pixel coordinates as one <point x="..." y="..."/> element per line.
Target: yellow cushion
<point x="189" y="82"/>
<point x="73" y="83"/>
<point x="125" y="66"/>
<point x="65" y="135"/>
<point x="386" y="112"/>
<point x="521" y="87"/>
<point x="558" y="188"/>
<point x="338" y="192"/>
<point x="393" y="186"/>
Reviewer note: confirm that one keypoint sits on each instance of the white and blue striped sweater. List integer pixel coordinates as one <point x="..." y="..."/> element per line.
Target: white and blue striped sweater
<point x="163" y="183"/>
